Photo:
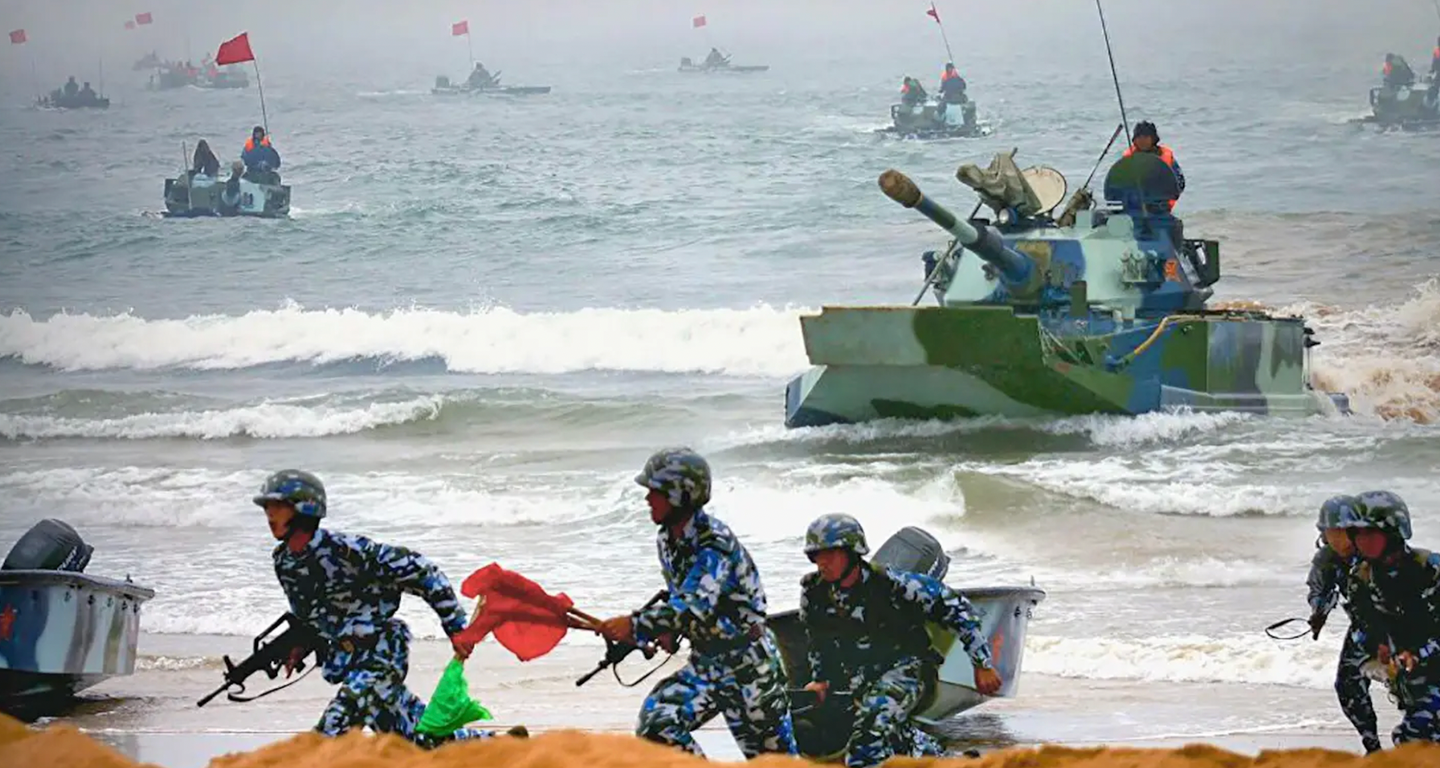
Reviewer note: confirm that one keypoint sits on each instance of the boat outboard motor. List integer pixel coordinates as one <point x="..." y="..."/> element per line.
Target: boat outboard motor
<point x="914" y="550"/>
<point x="49" y="545"/>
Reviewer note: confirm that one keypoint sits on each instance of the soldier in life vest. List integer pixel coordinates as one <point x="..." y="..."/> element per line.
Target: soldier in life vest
<point x="911" y="92"/>
<point x="1397" y="605"/>
<point x="866" y="630"/>
<point x="1435" y="60"/>
<point x="1147" y="139"/>
<point x="952" y="86"/>
<point x="346" y="589"/>
<point x="716" y="600"/>
<point x="1397" y="72"/>
<point x="1329" y="583"/>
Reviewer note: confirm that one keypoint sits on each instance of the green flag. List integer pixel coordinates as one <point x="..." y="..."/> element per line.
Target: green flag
<point x="451" y="707"/>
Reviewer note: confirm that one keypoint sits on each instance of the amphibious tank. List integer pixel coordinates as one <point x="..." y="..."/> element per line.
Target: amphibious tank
<point x="1407" y="102"/>
<point x="1100" y="310"/>
<point x="934" y="119"/>
<point x="444" y="87"/>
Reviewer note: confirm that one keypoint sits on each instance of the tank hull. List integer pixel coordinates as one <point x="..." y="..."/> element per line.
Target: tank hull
<point x="1414" y="107"/>
<point x="941" y="362"/>
<point x="62" y="632"/>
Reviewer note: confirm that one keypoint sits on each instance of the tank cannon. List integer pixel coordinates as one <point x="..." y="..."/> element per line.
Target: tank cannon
<point x="1018" y="271"/>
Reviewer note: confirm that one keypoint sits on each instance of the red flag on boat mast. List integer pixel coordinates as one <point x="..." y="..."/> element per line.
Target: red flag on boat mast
<point x="697" y="22"/>
<point x="934" y="14"/>
<point x="460" y="28"/>
<point x="144" y="18"/>
<point x="235" y="50"/>
<point x="17" y="37"/>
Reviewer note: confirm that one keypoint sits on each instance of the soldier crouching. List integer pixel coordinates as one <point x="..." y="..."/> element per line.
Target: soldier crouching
<point x="1329" y="581"/>
<point x="346" y="589"/>
<point x="717" y="602"/>
<point x="1397" y="604"/>
<point x="866" y="630"/>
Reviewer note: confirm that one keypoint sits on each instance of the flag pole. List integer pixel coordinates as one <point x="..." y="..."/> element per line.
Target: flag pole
<point x="946" y="38"/>
<point x="469" y="47"/>
<point x="264" y="118"/>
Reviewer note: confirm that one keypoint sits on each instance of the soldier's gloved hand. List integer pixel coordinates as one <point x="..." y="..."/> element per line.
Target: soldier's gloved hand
<point x="620" y="629"/>
<point x="462" y="648"/>
<point x="987" y="681"/>
<point x="1317" y="620"/>
<point x="293" y="660"/>
<point x="1382" y="654"/>
<point x="1407" y="660"/>
<point x="820" y="690"/>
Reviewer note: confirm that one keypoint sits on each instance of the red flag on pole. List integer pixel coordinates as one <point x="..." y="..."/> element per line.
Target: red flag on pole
<point x="697" y="22"/>
<point x="460" y="28"/>
<point x="235" y="50"/>
<point x="524" y="618"/>
<point x="129" y="25"/>
<point x="934" y="14"/>
<point x="17" y="37"/>
<point x="143" y="18"/>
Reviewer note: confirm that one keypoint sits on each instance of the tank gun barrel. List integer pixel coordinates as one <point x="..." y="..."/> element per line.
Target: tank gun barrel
<point x="1016" y="269"/>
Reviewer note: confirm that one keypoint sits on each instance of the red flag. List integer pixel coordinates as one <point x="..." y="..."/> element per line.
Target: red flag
<point x="933" y="13"/>
<point x="235" y="50"/>
<point x="143" y="18"/>
<point x="460" y="28"/>
<point x="523" y="617"/>
<point x="697" y="22"/>
<point x="129" y="25"/>
<point x="17" y="37"/>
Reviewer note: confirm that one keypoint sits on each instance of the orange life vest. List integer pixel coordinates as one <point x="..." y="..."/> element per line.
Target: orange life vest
<point x="1388" y="69"/>
<point x="949" y="73"/>
<point x="250" y="143"/>
<point x="905" y="88"/>
<point x="1435" y="54"/>
<point x="1165" y="155"/>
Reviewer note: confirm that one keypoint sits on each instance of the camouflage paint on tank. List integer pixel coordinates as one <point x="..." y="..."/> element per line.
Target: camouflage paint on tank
<point x="1004" y="613"/>
<point x="62" y="632"/>
<point x="187" y="196"/>
<point x="1104" y="316"/>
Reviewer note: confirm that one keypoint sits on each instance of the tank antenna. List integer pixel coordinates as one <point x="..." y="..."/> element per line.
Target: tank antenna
<point x="1124" y="121"/>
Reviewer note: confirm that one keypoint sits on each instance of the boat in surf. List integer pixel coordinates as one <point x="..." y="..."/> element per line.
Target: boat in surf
<point x="192" y="195"/>
<point x="1402" y="100"/>
<point x="723" y="66"/>
<point x="58" y="99"/>
<point x="444" y="87"/>
<point x="1004" y="613"/>
<point x="62" y="630"/>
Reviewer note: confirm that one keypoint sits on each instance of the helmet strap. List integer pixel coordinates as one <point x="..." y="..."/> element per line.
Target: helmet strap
<point x="852" y="565"/>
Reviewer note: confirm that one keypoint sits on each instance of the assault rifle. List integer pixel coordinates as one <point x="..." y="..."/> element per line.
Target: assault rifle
<point x="269" y="656"/>
<point x="616" y="652"/>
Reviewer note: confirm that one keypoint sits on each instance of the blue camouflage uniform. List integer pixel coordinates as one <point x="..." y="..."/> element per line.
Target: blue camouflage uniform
<point x="716" y="600"/>
<point x="1399" y="602"/>
<point x="347" y="589"/>
<point x="1329" y="583"/>
<point x="871" y="639"/>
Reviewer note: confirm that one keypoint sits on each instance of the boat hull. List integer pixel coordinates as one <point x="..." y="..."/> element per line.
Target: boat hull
<point x="504" y="90"/>
<point x="739" y="70"/>
<point x="928" y="121"/>
<point x="936" y="362"/>
<point x="62" y="632"/>
<point x="201" y="197"/>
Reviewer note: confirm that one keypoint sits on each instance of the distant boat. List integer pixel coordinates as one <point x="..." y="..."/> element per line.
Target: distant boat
<point x="443" y="87"/>
<point x="686" y="65"/>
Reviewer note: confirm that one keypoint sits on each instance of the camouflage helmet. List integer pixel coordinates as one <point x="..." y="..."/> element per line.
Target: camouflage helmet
<point x="835" y="531"/>
<point x="1383" y="510"/>
<point x="681" y="474"/>
<point x="1337" y="512"/>
<point x="301" y="489"/>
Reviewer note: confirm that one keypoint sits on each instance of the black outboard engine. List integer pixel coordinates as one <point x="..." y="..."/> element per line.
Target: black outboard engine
<point x="914" y="550"/>
<point x="50" y="545"/>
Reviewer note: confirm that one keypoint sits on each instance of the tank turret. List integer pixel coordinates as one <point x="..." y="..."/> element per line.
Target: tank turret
<point x="1017" y="270"/>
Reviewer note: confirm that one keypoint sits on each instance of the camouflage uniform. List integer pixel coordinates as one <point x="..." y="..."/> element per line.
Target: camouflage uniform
<point x="1328" y="584"/>
<point x="716" y="600"/>
<point x="1397" y="601"/>
<point x="347" y="589"/>
<point x="871" y="639"/>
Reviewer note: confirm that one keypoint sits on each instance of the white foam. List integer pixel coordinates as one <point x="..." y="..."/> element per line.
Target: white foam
<point x="1253" y="659"/>
<point x="269" y="420"/>
<point x="760" y="341"/>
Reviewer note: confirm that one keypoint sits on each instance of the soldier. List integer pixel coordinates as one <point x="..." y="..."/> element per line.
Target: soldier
<point x="346" y="589"/>
<point x="1397" y="604"/>
<point x="1329" y="582"/>
<point x="717" y="601"/>
<point x="866" y="629"/>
